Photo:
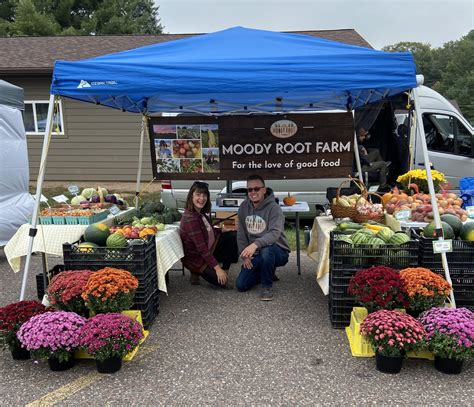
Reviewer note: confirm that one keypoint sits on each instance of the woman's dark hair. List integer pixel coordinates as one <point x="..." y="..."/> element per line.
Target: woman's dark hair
<point x="201" y="187"/>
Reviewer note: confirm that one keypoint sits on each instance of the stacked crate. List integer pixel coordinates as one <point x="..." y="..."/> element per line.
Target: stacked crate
<point x="346" y="259"/>
<point x="139" y="259"/>
<point x="460" y="263"/>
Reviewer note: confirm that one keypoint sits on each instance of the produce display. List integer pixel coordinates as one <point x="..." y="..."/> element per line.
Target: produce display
<point x="65" y="211"/>
<point x="452" y="229"/>
<point x="346" y="200"/>
<point x="154" y="213"/>
<point x="92" y="197"/>
<point x="420" y="204"/>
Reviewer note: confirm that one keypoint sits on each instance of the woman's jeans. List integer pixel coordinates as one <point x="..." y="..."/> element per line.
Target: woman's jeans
<point x="264" y="265"/>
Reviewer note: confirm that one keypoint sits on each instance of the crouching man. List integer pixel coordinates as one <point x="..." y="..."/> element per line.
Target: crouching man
<point x="262" y="243"/>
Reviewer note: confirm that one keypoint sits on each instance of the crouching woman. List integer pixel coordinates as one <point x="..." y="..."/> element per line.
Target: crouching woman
<point x="205" y="246"/>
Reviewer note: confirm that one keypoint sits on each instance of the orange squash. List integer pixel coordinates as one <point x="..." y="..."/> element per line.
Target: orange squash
<point x="289" y="200"/>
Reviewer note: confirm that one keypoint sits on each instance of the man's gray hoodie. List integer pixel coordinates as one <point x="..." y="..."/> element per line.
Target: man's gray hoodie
<point x="263" y="225"/>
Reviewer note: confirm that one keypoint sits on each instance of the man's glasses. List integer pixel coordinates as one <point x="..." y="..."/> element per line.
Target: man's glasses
<point x="256" y="189"/>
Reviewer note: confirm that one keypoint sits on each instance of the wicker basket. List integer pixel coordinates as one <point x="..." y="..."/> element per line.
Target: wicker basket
<point x="361" y="218"/>
<point x="340" y="211"/>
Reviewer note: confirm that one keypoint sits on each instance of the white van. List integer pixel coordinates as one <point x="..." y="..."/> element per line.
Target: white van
<point x="449" y="138"/>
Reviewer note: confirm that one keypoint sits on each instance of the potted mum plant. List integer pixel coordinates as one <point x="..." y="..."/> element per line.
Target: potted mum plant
<point x="110" y="290"/>
<point x="65" y="291"/>
<point x="378" y="287"/>
<point x="420" y="179"/>
<point x="425" y="289"/>
<point x="12" y="317"/>
<point x="450" y="336"/>
<point x="108" y="338"/>
<point x="53" y="336"/>
<point x="392" y="334"/>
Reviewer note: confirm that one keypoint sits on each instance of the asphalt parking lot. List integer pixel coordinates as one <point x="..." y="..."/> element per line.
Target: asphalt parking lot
<point x="218" y="347"/>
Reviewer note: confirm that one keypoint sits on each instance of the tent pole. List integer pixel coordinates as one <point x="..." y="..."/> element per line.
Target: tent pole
<point x="356" y="151"/>
<point x="39" y="188"/>
<point x="434" y="203"/>
<point x="140" y="160"/>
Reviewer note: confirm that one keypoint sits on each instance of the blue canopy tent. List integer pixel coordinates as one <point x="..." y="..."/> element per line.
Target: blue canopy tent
<point x="238" y="70"/>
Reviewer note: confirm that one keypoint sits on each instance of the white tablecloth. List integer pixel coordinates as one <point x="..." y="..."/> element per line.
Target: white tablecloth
<point x="50" y="239"/>
<point x="318" y="249"/>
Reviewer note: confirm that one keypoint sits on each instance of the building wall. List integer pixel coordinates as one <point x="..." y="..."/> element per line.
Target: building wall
<point x="99" y="144"/>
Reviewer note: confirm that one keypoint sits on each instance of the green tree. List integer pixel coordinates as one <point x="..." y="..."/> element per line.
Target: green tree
<point x="78" y="17"/>
<point x="28" y="21"/>
<point x="424" y="59"/>
<point x="448" y="69"/>
<point x="124" y="17"/>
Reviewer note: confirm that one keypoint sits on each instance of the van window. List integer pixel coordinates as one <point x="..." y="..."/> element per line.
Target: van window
<point x="446" y="134"/>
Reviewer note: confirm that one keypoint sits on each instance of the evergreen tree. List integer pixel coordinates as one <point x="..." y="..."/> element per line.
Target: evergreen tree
<point x="78" y="17"/>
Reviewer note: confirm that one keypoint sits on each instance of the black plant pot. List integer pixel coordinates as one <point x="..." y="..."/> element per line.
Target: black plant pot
<point x="414" y="312"/>
<point x="19" y="353"/>
<point x="110" y="365"/>
<point x="56" y="366"/>
<point x="388" y="364"/>
<point x="447" y="365"/>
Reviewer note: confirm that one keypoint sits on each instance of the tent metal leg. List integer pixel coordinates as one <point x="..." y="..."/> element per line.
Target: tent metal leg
<point x="39" y="188"/>
<point x="434" y="202"/>
<point x="140" y="159"/>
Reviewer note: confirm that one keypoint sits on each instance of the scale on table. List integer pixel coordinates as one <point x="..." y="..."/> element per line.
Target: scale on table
<point x="233" y="199"/>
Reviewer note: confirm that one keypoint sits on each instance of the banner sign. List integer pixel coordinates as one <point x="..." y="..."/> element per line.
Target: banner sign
<point x="289" y="146"/>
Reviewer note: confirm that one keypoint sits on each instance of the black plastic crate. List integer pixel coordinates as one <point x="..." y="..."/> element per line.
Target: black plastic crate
<point x="40" y="288"/>
<point x="150" y="309"/>
<point x="138" y="259"/>
<point x="146" y="289"/>
<point x="463" y="286"/>
<point x="462" y="255"/>
<point x="340" y="310"/>
<point x="344" y="255"/>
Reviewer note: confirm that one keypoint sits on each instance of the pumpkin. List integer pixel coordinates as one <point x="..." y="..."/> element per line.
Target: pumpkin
<point x="289" y="200"/>
<point x="394" y="193"/>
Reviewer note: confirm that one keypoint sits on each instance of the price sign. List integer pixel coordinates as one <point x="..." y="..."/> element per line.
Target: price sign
<point x="60" y="198"/>
<point x="114" y="209"/>
<point x="403" y="215"/>
<point x="73" y="189"/>
<point x="470" y="211"/>
<point x="443" y="246"/>
<point x="374" y="188"/>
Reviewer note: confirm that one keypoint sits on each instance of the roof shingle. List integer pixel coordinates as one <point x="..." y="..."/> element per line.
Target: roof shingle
<point x="36" y="55"/>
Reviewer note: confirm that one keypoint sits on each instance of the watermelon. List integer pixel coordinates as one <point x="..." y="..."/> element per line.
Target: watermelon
<point x="453" y="221"/>
<point x="399" y="238"/>
<point x="86" y="247"/>
<point x="359" y="238"/>
<point x="385" y="234"/>
<point x="430" y="231"/>
<point x="467" y="232"/>
<point x="116" y="241"/>
<point x="97" y="233"/>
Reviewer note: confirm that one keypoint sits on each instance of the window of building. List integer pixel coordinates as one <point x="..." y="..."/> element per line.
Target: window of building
<point x="447" y="134"/>
<point x="35" y="114"/>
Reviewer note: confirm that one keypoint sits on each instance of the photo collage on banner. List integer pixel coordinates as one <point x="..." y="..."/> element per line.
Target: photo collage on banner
<point x="186" y="148"/>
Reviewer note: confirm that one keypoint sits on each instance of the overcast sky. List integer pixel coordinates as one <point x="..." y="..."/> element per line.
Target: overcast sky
<point x="380" y="22"/>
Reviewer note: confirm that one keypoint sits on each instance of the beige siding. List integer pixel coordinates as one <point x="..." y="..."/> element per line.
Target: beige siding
<point x="100" y="144"/>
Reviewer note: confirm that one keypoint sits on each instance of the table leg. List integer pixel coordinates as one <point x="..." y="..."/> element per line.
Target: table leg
<point x="298" y="264"/>
<point x="45" y="271"/>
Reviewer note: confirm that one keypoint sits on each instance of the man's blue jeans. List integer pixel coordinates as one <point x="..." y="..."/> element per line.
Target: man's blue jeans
<point x="264" y="264"/>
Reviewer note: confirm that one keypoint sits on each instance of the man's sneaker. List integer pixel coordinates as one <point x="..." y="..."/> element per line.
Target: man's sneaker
<point x="267" y="294"/>
<point x="194" y="280"/>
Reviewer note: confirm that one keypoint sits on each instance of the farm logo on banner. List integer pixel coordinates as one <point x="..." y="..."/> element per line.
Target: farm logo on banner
<point x="283" y="128"/>
<point x="232" y="147"/>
